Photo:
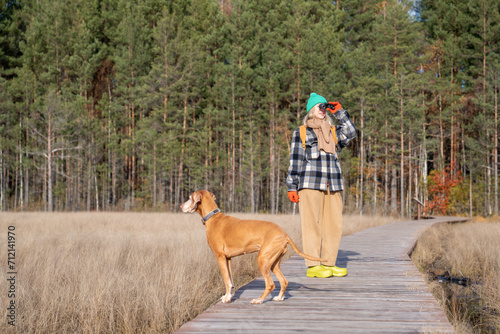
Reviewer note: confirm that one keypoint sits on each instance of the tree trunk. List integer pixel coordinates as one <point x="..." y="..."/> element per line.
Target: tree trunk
<point x="96" y="184"/>
<point x="278" y="167"/>
<point x="394" y="191"/>
<point x="68" y="186"/>
<point x="155" y="201"/>
<point x="298" y="92"/>
<point x="423" y="165"/>
<point x="386" y="171"/>
<point x="2" y="186"/>
<point x="470" y="188"/>
<point x="252" y="177"/>
<point x="26" y="187"/>
<point x="409" y="200"/>
<point x="272" y="158"/>
<point x="181" y="158"/>
<point x="402" y="146"/>
<point x="89" y="185"/>
<point x="50" y="199"/>
<point x="375" y="186"/>
<point x="362" y="160"/>
<point x="495" y="148"/>
<point x="21" y="179"/>
<point x="488" y="207"/>
<point x="232" y="196"/>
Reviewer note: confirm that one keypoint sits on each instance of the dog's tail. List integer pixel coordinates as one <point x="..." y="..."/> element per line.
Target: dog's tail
<point x="297" y="250"/>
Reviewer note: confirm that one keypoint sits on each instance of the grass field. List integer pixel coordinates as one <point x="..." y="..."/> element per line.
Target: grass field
<point x="469" y="250"/>
<point x="120" y="272"/>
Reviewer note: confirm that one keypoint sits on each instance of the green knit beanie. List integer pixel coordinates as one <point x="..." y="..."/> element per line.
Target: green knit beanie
<point x="314" y="99"/>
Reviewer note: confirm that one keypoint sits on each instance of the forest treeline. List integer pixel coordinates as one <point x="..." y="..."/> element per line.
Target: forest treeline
<point x="132" y="105"/>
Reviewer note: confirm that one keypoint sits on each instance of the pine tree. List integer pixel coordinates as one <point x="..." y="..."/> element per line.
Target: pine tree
<point x="396" y="46"/>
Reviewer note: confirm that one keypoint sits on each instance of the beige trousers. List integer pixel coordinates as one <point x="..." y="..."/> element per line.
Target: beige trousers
<point x="321" y="219"/>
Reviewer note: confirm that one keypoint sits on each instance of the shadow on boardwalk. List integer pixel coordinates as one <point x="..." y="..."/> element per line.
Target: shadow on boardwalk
<point x="259" y="284"/>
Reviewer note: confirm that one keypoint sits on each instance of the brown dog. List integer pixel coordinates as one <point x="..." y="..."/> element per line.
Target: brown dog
<point x="229" y="236"/>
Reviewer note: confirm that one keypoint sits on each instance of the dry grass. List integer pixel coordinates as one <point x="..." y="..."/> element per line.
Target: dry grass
<point x="121" y="272"/>
<point x="471" y="250"/>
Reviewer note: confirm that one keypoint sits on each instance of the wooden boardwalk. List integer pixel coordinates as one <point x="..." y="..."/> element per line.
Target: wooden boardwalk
<point x="382" y="293"/>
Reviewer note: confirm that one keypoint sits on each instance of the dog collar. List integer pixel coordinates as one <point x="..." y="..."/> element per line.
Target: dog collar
<point x="210" y="214"/>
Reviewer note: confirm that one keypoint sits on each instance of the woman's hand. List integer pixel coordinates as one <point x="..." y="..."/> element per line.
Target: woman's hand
<point x="293" y="196"/>
<point x="337" y="106"/>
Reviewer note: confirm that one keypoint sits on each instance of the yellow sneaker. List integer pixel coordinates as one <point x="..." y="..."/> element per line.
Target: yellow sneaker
<point x="336" y="271"/>
<point x="319" y="271"/>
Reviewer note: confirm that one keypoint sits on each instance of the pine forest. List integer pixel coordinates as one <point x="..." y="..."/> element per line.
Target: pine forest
<point x="132" y="105"/>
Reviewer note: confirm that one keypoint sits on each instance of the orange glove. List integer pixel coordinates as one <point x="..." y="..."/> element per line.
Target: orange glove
<point x="337" y="107"/>
<point x="293" y="196"/>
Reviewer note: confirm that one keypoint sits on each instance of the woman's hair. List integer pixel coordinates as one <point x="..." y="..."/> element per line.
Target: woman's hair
<point x="310" y="114"/>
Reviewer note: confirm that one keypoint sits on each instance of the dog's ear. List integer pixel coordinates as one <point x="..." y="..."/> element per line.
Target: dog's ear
<point x="212" y="196"/>
<point x="196" y="197"/>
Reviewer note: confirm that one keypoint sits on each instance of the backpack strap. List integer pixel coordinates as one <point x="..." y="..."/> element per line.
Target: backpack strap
<point x="334" y="133"/>
<point x="303" y="135"/>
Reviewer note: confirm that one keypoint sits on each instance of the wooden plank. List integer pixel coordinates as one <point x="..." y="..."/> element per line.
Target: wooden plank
<point x="383" y="292"/>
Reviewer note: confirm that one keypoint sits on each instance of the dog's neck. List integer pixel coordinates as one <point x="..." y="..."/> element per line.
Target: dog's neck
<point x="209" y="215"/>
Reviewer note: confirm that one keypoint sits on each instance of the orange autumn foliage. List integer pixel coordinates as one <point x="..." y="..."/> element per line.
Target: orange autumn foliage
<point x="440" y="185"/>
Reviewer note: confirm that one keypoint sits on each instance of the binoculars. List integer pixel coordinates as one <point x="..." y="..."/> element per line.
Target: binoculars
<point x="324" y="106"/>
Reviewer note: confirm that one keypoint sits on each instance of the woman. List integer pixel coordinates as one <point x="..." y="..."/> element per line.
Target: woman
<point x="315" y="181"/>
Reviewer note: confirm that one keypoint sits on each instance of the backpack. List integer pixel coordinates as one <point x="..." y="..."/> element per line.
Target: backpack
<point x="303" y="135"/>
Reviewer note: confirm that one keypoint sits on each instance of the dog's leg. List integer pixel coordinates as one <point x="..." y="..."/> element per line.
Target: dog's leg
<point x="224" y="262"/>
<point x="283" y="282"/>
<point x="230" y="274"/>
<point x="265" y="261"/>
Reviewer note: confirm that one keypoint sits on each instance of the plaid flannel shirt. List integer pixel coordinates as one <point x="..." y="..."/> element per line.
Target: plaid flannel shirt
<point x="315" y="169"/>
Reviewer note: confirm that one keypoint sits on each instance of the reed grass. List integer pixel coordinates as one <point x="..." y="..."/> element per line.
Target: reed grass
<point x="121" y="272"/>
<point x="464" y="250"/>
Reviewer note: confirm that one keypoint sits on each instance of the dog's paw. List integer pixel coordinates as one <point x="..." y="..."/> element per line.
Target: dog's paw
<point x="279" y="298"/>
<point x="256" y="301"/>
<point x="226" y="298"/>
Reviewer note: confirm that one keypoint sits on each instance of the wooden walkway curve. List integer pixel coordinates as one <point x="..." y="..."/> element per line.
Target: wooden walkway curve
<point x="383" y="292"/>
